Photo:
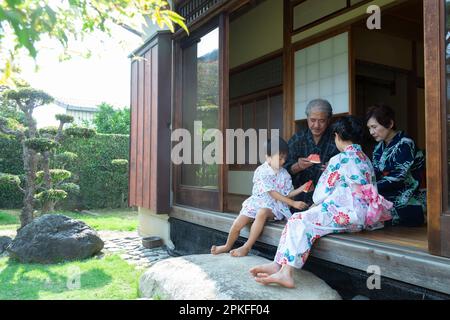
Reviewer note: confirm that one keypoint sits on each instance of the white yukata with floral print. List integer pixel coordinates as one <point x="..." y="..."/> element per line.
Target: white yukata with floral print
<point x="265" y="179"/>
<point x="346" y="200"/>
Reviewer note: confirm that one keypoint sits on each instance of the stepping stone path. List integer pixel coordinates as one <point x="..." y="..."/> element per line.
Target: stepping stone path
<point x="128" y="245"/>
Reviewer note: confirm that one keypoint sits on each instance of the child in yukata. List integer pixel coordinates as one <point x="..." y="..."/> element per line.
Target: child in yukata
<point x="345" y="200"/>
<point x="270" y="199"/>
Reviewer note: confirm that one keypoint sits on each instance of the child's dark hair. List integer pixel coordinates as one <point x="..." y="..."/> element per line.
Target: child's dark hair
<point x="349" y="128"/>
<point x="271" y="148"/>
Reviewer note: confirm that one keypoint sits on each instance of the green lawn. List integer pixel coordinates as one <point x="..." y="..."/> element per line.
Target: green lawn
<point x="107" y="278"/>
<point x="92" y="279"/>
<point x="108" y="219"/>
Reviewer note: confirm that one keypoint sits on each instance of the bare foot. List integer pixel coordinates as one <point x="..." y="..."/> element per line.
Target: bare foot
<point x="283" y="278"/>
<point x="219" y="249"/>
<point x="240" y="252"/>
<point x="268" y="268"/>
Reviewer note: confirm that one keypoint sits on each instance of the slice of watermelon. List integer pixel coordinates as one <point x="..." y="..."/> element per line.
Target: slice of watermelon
<point x="308" y="186"/>
<point x="314" y="158"/>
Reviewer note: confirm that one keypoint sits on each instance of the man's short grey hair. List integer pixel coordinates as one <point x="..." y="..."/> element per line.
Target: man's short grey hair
<point x="320" y="105"/>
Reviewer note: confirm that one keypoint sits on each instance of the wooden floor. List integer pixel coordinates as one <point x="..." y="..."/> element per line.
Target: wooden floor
<point x="402" y="236"/>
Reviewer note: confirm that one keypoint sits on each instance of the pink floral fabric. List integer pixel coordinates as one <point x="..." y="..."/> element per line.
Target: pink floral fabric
<point x="345" y="200"/>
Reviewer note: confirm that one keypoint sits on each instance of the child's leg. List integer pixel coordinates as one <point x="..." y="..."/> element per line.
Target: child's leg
<point x="240" y="222"/>
<point x="255" y="231"/>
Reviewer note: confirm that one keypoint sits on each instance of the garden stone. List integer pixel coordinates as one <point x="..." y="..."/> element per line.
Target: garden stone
<point x="222" y="277"/>
<point x="4" y="243"/>
<point x="54" y="238"/>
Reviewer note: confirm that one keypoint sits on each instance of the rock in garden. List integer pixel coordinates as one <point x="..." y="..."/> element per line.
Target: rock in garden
<point x="4" y="243"/>
<point x="222" y="277"/>
<point x="54" y="238"/>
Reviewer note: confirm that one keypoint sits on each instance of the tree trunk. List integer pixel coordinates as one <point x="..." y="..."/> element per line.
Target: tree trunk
<point x="30" y="167"/>
<point x="30" y="164"/>
<point x="47" y="206"/>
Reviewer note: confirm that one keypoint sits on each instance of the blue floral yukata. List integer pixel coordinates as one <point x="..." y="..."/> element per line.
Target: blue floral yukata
<point x="399" y="168"/>
<point x="345" y="200"/>
<point x="265" y="179"/>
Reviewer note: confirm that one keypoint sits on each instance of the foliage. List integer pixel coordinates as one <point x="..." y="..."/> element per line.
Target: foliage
<point x="53" y="195"/>
<point x="27" y="97"/>
<point x="26" y="22"/>
<point x="101" y="182"/>
<point x="48" y="131"/>
<point x="64" y="158"/>
<point x="64" y="118"/>
<point x="80" y="132"/>
<point x="9" y="179"/>
<point x="41" y="144"/>
<point x="120" y="163"/>
<point x="57" y="176"/>
<point x="110" y="120"/>
<point x="70" y="188"/>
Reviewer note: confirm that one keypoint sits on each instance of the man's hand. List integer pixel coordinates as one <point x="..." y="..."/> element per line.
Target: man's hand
<point x="304" y="163"/>
<point x="300" y="205"/>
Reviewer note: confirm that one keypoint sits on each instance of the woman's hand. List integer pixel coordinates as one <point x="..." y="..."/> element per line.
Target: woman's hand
<point x="300" y="205"/>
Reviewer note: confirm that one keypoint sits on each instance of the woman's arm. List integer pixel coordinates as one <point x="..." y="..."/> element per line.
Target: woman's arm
<point x="394" y="179"/>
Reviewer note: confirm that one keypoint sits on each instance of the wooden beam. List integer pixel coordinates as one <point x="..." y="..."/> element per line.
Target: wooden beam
<point x="434" y="109"/>
<point x="288" y="72"/>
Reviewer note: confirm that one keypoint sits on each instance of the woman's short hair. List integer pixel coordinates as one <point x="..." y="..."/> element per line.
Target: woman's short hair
<point x="273" y="149"/>
<point x="383" y="114"/>
<point x="349" y="128"/>
<point x="322" y="106"/>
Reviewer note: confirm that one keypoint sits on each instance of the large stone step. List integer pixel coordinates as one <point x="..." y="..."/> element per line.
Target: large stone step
<point x="222" y="277"/>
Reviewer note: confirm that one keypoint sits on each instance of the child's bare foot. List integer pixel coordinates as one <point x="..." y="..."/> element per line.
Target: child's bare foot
<point x="240" y="252"/>
<point x="268" y="268"/>
<point x="281" y="278"/>
<point x="219" y="249"/>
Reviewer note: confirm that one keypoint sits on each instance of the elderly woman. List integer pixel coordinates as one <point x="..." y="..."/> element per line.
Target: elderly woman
<point x="345" y="200"/>
<point x="398" y="166"/>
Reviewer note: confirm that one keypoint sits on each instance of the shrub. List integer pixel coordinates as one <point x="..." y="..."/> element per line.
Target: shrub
<point x="41" y="144"/>
<point x="57" y="175"/>
<point x="80" y="132"/>
<point x="51" y="195"/>
<point x="51" y="131"/>
<point x="102" y="183"/>
<point x="65" y="118"/>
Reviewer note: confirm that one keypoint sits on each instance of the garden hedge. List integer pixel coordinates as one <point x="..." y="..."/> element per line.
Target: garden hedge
<point x="101" y="184"/>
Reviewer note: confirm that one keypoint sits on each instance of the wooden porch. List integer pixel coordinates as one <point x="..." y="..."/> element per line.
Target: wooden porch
<point x="401" y="253"/>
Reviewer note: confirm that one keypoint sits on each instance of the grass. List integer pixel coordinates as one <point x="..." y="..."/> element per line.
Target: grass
<point x="107" y="278"/>
<point x="107" y="219"/>
<point x="92" y="279"/>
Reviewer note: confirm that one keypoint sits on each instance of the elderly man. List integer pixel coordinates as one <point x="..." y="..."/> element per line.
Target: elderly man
<point x="316" y="139"/>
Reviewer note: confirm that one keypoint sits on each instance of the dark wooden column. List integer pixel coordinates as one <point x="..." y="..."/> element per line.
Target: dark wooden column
<point x="150" y="124"/>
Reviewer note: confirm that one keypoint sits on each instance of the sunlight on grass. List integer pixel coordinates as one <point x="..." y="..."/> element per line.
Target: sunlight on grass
<point x="113" y="219"/>
<point x="106" y="278"/>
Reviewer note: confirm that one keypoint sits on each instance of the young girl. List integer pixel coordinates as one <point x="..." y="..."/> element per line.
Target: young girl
<point x="270" y="200"/>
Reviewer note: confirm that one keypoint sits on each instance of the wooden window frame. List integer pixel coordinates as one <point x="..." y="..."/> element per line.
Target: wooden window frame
<point x="436" y="128"/>
<point x="339" y="12"/>
<point x="253" y="98"/>
<point x="191" y="195"/>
